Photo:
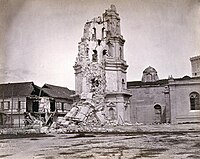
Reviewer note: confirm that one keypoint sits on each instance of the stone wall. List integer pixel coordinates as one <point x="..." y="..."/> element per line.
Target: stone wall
<point x="143" y="101"/>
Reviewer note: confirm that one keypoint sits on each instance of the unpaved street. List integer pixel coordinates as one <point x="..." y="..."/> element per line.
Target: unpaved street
<point x="163" y="145"/>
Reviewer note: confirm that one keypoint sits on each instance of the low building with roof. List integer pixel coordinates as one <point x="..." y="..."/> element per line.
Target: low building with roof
<point x="15" y="99"/>
<point x="27" y="100"/>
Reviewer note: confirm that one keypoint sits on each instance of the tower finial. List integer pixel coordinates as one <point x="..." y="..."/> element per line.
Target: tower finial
<point x="112" y="7"/>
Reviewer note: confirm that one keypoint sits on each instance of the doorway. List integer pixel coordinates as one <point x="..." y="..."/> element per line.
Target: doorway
<point x="157" y="111"/>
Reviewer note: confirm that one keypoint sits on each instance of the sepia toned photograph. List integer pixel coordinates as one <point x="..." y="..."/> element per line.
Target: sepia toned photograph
<point x="99" y="79"/>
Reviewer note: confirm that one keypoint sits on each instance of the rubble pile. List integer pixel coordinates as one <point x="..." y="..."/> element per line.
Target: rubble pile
<point x="87" y="115"/>
<point x="31" y="121"/>
<point x="36" y="120"/>
<point x="84" y="116"/>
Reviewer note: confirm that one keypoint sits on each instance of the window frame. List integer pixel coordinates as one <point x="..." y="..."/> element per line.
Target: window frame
<point x="6" y="105"/>
<point x="194" y="101"/>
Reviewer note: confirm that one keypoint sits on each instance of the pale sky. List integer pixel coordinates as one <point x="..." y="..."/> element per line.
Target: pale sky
<point x="39" y="38"/>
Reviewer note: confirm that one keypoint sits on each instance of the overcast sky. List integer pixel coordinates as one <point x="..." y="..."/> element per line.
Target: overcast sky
<point x="39" y="38"/>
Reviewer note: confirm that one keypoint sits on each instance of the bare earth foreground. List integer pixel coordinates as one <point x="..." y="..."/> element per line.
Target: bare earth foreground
<point x="154" y="141"/>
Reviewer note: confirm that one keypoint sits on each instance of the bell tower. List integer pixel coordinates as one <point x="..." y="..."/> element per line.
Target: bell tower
<point x="117" y="95"/>
<point x="115" y="64"/>
<point x="100" y="68"/>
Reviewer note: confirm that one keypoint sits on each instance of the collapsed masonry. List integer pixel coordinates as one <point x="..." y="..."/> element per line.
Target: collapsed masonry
<point x="42" y="118"/>
<point x="100" y="75"/>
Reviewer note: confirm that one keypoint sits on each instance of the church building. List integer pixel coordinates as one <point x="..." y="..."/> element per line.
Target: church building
<point x="172" y="100"/>
<point x="100" y="77"/>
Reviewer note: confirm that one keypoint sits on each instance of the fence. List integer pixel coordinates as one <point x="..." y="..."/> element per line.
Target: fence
<point x="22" y="129"/>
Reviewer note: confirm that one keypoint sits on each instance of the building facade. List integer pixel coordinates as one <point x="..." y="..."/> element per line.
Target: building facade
<point x="16" y="99"/>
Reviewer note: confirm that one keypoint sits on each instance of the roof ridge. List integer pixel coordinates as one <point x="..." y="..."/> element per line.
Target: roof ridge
<point x="16" y="83"/>
<point x="46" y="84"/>
<point x="18" y="89"/>
<point x="145" y="82"/>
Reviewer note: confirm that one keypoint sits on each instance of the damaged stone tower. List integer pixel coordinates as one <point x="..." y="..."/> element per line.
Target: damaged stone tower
<point x="100" y="68"/>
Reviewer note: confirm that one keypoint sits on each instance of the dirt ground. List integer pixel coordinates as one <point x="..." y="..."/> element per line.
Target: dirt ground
<point x="167" y="143"/>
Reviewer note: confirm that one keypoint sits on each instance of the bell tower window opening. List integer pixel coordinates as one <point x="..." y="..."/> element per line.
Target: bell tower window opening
<point x="99" y="42"/>
<point x="104" y="52"/>
<point x="112" y="113"/>
<point x="102" y="37"/>
<point x="94" y="34"/>
<point x="120" y="53"/>
<point x="123" y="84"/>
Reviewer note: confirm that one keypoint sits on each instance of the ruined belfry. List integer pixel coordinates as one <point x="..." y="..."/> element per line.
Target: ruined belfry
<point x="100" y="68"/>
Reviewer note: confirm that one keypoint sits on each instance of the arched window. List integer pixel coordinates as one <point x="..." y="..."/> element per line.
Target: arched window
<point x="123" y="84"/>
<point x="194" y="101"/>
<point x="102" y="33"/>
<point x="94" y="33"/>
<point x="112" y="113"/>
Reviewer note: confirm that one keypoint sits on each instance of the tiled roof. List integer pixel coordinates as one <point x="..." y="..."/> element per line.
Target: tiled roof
<point x="57" y="91"/>
<point x="140" y="83"/>
<point x="158" y="83"/>
<point x="9" y="90"/>
<point x="186" y="78"/>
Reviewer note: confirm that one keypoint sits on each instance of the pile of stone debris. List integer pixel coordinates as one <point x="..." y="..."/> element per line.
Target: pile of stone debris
<point x="87" y="115"/>
<point x="83" y="117"/>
